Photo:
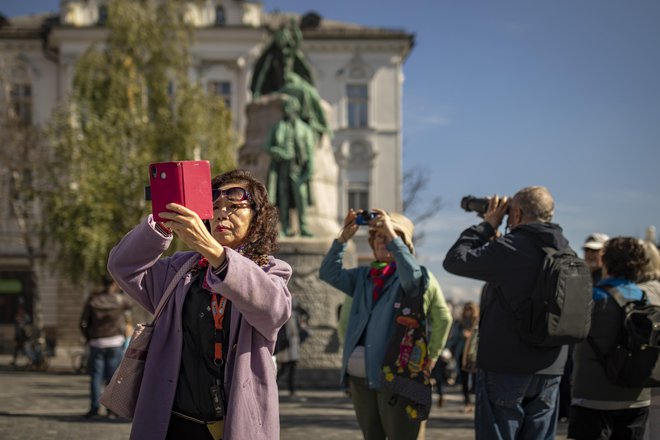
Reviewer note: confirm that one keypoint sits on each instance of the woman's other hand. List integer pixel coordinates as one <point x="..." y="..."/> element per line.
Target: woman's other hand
<point x="350" y="227"/>
<point x="187" y="225"/>
<point x="382" y="224"/>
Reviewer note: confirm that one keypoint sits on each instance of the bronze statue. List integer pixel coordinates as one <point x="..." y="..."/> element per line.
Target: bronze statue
<point x="291" y="143"/>
<point x="282" y="68"/>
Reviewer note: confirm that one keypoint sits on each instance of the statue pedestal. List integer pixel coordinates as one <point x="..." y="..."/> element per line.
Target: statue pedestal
<point x="320" y="354"/>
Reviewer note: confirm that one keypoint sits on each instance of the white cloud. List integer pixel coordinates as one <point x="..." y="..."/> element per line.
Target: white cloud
<point x="516" y="28"/>
<point x="436" y="120"/>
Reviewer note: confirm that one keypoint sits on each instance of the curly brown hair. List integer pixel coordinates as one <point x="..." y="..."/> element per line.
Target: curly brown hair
<point x="624" y="257"/>
<point x="262" y="235"/>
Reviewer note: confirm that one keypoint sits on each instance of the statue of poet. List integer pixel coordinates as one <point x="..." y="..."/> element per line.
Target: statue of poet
<point x="283" y="69"/>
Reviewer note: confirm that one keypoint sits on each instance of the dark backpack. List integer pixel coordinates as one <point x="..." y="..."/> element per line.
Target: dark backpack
<point x="558" y="310"/>
<point x="634" y="360"/>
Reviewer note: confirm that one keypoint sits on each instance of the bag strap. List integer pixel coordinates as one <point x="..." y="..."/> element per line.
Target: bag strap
<point x="539" y="242"/>
<point x="173" y="282"/>
<point x="616" y="295"/>
<point x="619" y="298"/>
<point x="547" y="251"/>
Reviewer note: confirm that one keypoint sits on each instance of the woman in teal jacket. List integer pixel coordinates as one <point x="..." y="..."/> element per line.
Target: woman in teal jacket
<point x="374" y="291"/>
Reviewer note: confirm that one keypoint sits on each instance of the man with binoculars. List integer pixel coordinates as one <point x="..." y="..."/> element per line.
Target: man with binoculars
<point x="517" y="382"/>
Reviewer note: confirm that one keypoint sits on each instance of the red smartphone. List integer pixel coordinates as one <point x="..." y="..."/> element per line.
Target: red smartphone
<point x="187" y="183"/>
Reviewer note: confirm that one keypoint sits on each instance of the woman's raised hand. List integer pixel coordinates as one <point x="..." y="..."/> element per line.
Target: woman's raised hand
<point x="350" y="228"/>
<point x="187" y="225"/>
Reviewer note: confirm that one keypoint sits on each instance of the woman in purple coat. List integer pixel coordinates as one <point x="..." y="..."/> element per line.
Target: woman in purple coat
<point x="209" y="373"/>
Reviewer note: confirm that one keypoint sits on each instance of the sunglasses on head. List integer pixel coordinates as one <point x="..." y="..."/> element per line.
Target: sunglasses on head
<point x="233" y="194"/>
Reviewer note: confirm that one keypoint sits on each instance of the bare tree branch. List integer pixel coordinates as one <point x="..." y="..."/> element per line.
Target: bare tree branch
<point x="415" y="205"/>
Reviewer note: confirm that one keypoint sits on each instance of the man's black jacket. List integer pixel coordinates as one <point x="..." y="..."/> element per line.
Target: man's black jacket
<point x="511" y="264"/>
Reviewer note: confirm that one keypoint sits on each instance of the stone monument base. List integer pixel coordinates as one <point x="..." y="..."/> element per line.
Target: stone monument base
<point x="321" y="353"/>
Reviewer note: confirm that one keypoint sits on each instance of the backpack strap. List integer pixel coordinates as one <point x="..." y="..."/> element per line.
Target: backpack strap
<point x="616" y="295"/>
<point x="173" y="282"/>
<point x="539" y="242"/>
<point x="619" y="298"/>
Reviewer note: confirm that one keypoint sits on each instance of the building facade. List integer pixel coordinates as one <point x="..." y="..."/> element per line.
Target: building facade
<point x="358" y="71"/>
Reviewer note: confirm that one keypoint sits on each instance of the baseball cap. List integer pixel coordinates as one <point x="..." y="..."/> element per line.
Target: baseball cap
<point x="595" y="241"/>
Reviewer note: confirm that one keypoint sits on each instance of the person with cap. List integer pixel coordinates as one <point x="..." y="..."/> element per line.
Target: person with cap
<point x="374" y="291"/>
<point x="593" y="254"/>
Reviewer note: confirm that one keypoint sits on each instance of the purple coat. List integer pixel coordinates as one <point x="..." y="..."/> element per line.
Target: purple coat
<point x="261" y="304"/>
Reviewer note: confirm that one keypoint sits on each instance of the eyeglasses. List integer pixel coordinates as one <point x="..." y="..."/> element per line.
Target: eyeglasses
<point x="233" y="194"/>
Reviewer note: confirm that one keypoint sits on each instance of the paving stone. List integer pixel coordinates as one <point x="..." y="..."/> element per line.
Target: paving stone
<point x="49" y="405"/>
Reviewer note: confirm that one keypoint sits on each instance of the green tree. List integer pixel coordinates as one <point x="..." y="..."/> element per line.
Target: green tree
<point x="132" y="103"/>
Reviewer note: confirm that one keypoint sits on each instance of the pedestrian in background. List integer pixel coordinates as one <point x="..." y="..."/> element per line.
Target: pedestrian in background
<point x="461" y="332"/>
<point x="649" y="282"/>
<point x="649" y="279"/>
<point x="593" y="254"/>
<point x="22" y="329"/>
<point x="289" y="338"/>
<point x="103" y="324"/>
<point x="600" y="408"/>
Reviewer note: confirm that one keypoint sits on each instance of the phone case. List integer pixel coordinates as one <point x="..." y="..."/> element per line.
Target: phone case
<point x="187" y="183"/>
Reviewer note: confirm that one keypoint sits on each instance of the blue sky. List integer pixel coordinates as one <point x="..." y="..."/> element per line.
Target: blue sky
<point x="503" y="94"/>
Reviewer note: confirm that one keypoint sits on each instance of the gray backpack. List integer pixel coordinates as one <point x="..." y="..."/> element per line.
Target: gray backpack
<point x="558" y="310"/>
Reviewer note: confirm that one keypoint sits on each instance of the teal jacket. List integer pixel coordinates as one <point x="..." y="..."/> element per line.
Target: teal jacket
<point x="435" y="308"/>
<point x="375" y="320"/>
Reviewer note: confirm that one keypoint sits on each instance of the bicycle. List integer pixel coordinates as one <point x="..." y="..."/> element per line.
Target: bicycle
<point x="79" y="358"/>
<point x="35" y="353"/>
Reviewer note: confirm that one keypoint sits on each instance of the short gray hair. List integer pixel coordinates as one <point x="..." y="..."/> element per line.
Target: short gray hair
<point x="536" y="204"/>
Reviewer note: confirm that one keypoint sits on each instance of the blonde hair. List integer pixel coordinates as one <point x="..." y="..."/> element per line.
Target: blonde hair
<point x="650" y="271"/>
<point x="472" y="306"/>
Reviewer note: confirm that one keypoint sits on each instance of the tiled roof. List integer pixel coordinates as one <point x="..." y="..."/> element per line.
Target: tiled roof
<point x="337" y="29"/>
<point x="30" y="26"/>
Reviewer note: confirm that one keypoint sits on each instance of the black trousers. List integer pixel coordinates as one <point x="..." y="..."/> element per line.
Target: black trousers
<point x="289" y="367"/>
<point x="618" y="424"/>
